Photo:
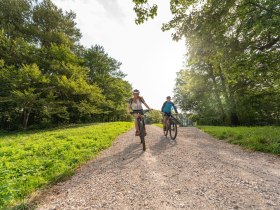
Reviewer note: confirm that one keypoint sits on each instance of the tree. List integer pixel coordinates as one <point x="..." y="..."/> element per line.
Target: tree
<point x="47" y="77"/>
<point x="105" y="72"/>
<point x="154" y="116"/>
<point x="15" y="17"/>
<point x="23" y="88"/>
<point x="51" y="26"/>
<point x="235" y="44"/>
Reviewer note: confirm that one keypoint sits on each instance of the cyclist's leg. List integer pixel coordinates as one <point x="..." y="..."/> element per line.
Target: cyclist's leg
<point x="166" y="115"/>
<point x="164" y="121"/>
<point x="137" y="132"/>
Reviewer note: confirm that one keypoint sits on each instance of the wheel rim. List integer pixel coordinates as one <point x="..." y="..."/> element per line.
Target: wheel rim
<point x="173" y="130"/>
<point x="142" y="133"/>
<point x="144" y="145"/>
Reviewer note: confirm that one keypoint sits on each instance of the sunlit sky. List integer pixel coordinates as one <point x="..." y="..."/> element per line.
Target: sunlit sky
<point x="149" y="57"/>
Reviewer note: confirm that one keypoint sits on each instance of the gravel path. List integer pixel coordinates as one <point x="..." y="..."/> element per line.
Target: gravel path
<point x="193" y="172"/>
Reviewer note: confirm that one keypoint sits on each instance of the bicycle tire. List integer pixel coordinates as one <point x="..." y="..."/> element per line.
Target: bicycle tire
<point x="173" y="129"/>
<point x="142" y="133"/>
<point x="165" y="132"/>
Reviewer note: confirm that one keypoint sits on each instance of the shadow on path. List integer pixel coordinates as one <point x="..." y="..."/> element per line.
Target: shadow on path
<point x="164" y="143"/>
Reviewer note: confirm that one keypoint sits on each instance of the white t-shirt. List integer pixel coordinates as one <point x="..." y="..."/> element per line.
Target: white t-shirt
<point x="137" y="105"/>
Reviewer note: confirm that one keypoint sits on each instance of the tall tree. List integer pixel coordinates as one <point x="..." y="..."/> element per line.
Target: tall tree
<point x="47" y="77"/>
<point x="15" y="17"/>
<point x="236" y="45"/>
<point x="52" y="26"/>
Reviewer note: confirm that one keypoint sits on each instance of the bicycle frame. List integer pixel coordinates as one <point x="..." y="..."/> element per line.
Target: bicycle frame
<point x="171" y="126"/>
<point x="141" y="127"/>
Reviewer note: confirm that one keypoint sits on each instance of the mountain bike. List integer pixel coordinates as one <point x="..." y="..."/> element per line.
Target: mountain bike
<point x="141" y="126"/>
<point x="171" y="127"/>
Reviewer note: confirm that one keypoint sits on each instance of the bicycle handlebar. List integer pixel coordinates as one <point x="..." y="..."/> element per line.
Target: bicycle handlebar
<point x="170" y="113"/>
<point x="144" y="111"/>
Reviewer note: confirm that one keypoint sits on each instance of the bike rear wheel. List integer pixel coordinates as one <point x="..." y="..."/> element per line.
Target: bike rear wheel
<point x="173" y="130"/>
<point x="141" y="126"/>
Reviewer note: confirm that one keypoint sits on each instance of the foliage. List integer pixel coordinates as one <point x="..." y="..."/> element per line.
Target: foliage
<point x="232" y="73"/>
<point x="144" y="11"/>
<point x="31" y="160"/>
<point x="264" y="139"/>
<point x="47" y="78"/>
<point x="154" y="116"/>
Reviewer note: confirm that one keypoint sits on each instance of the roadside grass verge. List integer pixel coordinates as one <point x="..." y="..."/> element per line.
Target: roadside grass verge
<point x="264" y="139"/>
<point x="33" y="159"/>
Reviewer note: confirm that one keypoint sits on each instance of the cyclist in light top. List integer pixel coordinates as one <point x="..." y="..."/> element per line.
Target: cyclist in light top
<point x="135" y="103"/>
<point x="166" y="109"/>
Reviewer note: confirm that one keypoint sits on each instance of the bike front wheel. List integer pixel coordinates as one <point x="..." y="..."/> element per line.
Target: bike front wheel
<point x="142" y="133"/>
<point x="173" y="130"/>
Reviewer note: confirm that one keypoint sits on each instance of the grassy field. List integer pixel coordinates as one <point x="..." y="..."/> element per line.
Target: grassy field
<point x="264" y="139"/>
<point x="34" y="159"/>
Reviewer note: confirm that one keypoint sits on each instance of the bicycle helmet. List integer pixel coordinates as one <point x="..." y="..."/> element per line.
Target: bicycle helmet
<point x="136" y="91"/>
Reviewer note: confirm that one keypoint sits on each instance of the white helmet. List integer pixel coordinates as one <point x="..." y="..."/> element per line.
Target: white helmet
<point x="136" y="91"/>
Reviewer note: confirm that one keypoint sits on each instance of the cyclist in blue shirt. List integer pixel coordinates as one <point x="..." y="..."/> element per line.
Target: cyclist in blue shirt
<point x="166" y="109"/>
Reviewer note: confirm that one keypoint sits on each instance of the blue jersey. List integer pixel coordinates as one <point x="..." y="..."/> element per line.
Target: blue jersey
<point x="167" y="106"/>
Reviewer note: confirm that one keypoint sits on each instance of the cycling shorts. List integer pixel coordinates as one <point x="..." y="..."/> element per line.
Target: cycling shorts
<point x="140" y="111"/>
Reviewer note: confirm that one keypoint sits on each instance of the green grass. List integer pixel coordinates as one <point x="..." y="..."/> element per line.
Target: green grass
<point x="159" y="125"/>
<point x="32" y="160"/>
<point x="264" y="139"/>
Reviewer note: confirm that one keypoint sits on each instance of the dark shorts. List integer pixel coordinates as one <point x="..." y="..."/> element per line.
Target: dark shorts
<point x="138" y="112"/>
<point x="167" y="114"/>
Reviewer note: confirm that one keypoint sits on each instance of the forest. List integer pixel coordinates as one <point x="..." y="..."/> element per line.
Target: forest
<point x="231" y="74"/>
<point x="232" y="71"/>
<point x="47" y="76"/>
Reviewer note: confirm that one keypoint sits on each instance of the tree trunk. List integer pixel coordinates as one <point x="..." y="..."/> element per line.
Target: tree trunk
<point x="230" y="100"/>
<point x="26" y="115"/>
<point x="225" y="93"/>
<point x="216" y="93"/>
<point x="234" y="120"/>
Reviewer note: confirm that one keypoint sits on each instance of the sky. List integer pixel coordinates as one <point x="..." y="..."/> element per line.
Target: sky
<point x="149" y="57"/>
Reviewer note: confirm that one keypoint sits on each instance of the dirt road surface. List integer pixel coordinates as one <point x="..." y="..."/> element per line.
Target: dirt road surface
<point x="193" y="172"/>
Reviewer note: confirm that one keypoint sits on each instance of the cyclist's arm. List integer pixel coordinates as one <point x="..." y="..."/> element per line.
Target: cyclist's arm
<point x="128" y="108"/>
<point x="146" y="105"/>
<point x="163" y="106"/>
<point x="175" y="108"/>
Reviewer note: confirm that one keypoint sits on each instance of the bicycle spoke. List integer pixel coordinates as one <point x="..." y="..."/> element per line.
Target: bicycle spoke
<point x="173" y="130"/>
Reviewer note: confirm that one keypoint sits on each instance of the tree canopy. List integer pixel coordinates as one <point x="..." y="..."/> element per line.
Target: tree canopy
<point x="232" y="74"/>
<point x="47" y="77"/>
